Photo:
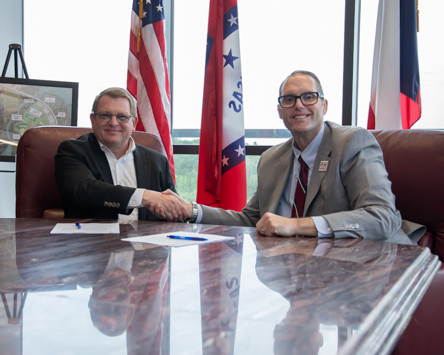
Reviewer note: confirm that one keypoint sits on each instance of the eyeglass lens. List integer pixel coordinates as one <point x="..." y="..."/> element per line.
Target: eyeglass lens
<point x="309" y="98"/>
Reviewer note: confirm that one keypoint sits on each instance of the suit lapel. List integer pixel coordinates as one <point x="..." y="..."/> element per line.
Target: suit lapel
<point x="317" y="176"/>
<point x="101" y="160"/>
<point x="281" y="173"/>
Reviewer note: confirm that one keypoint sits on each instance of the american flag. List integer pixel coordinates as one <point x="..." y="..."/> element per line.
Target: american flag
<point x="222" y="171"/>
<point x="395" y="101"/>
<point x="148" y="78"/>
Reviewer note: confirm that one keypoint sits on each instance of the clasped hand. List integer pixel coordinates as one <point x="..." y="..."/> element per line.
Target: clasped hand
<point x="167" y="205"/>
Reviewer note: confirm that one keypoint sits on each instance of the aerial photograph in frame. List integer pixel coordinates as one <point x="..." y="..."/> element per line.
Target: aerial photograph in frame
<point x="26" y="103"/>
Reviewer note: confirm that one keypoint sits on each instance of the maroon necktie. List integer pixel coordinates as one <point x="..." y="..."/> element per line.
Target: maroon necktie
<point x="301" y="188"/>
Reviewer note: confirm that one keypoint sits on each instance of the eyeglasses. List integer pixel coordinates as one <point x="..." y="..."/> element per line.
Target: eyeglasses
<point x="106" y="117"/>
<point x="307" y="99"/>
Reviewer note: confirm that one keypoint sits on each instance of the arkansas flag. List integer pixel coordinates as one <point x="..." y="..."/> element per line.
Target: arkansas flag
<point x="147" y="77"/>
<point x="221" y="180"/>
<point x="395" y="98"/>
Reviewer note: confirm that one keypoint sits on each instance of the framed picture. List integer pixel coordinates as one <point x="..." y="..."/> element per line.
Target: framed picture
<point x="26" y="103"/>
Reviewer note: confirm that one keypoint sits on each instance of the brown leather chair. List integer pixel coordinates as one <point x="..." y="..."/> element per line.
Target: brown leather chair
<point x="414" y="161"/>
<point x="37" y="194"/>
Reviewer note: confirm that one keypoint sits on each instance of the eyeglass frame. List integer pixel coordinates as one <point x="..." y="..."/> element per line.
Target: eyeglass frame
<point x="318" y="95"/>
<point x="117" y="116"/>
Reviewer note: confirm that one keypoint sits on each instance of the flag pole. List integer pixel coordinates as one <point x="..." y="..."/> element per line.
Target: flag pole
<point x="140" y="24"/>
<point x="417" y="15"/>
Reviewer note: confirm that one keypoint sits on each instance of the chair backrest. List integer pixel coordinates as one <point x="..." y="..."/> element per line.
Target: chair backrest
<point x="414" y="160"/>
<point x="37" y="194"/>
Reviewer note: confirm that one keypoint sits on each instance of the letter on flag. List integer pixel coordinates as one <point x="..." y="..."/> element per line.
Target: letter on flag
<point x="222" y="173"/>
<point x="395" y="101"/>
<point x="148" y="78"/>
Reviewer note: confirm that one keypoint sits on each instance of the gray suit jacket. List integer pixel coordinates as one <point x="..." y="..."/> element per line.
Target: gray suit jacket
<point x="353" y="194"/>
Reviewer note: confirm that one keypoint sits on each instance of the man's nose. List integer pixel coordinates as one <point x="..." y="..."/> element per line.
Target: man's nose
<point x="113" y="121"/>
<point x="298" y="103"/>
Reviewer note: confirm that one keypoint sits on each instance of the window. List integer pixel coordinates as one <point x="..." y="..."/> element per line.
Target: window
<point x="85" y="42"/>
<point x="307" y="35"/>
<point x="273" y="43"/>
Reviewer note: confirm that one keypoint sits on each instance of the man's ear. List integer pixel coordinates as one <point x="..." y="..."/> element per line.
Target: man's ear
<point x="91" y="117"/>
<point x="135" y="120"/>
<point x="325" y="106"/>
<point x="279" y="111"/>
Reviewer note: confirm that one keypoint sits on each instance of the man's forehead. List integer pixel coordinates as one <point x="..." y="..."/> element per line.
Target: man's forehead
<point x="300" y="80"/>
<point x="106" y="100"/>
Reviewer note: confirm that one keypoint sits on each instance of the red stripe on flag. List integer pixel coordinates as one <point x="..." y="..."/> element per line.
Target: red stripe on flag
<point x="371" y="118"/>
<point x="410" y="110"/>
<point x="139" y="126"/>
<point x="131" y="84"/>
<point x="152" y="89"/>
<point x="133" y="45"/>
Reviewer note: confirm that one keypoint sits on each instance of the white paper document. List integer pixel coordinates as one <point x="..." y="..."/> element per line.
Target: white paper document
<point x="86" y="228"/>
<point x="162" y="239"/>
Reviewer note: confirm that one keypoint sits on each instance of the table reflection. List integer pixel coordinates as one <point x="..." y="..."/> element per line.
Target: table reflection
<point x="95" y="293"/>
<point x="322" y="286"/>
<point x="220" y="267"/>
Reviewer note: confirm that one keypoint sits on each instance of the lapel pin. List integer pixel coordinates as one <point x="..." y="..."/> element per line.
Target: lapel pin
<point x="323" y="165"/>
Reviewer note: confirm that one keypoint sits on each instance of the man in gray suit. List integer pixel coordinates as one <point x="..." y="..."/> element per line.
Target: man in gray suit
<point x="348" y="193"/>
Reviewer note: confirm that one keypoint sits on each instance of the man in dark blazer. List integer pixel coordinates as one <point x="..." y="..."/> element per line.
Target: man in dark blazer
<point x="106" y="175"/>
<point x="348" y="192"/>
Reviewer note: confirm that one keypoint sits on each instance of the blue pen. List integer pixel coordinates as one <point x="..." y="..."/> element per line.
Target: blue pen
<point x="186" y="238"/>
<point x="78" y="225"/>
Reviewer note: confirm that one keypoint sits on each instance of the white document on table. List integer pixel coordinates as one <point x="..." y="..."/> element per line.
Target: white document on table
<point x="86" y="228"/>
<point x="162" y="239"/>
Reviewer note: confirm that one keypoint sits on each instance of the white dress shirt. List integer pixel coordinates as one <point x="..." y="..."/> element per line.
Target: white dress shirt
<point x="123" y="172"/>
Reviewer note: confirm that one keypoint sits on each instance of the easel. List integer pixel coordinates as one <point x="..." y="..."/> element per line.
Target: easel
<point x="16" y="48"/>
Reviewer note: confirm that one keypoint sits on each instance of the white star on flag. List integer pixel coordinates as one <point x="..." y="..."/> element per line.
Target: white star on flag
<point x="240" y="151"/>
<point x="225" y="161"/>
<point x="238" y="239"/>
<point x="159" y="8"/>
<point x="232" y="20"/>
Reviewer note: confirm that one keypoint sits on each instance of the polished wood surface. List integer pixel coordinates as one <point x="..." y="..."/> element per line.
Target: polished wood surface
<point x="96" y="294"/>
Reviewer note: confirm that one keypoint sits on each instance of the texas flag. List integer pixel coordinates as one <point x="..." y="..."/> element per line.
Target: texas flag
<point x="395" y="97"/>
<point x="221" y="178"/>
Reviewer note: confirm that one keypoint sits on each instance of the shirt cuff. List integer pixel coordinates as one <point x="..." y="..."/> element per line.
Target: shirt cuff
<point x="323" y="228"/>
<point x="136" y="199"/>
<point x="199" y="213"/>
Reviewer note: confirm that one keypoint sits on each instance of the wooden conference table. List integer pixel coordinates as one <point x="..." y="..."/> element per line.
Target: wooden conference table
<point x="95" y="294"/>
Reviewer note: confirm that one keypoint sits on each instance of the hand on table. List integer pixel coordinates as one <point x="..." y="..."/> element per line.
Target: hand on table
<point x="272" y="225"/>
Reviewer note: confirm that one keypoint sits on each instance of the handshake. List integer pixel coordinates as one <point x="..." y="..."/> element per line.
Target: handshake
<point x="167" y="205"/>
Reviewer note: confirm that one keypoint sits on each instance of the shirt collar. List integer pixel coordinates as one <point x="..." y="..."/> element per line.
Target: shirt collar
<point x="131" y="147"/>
<point x="311" y="151"/>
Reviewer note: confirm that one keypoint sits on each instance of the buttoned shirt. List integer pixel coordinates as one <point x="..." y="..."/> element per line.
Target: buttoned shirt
<point x="123" y="172"/>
